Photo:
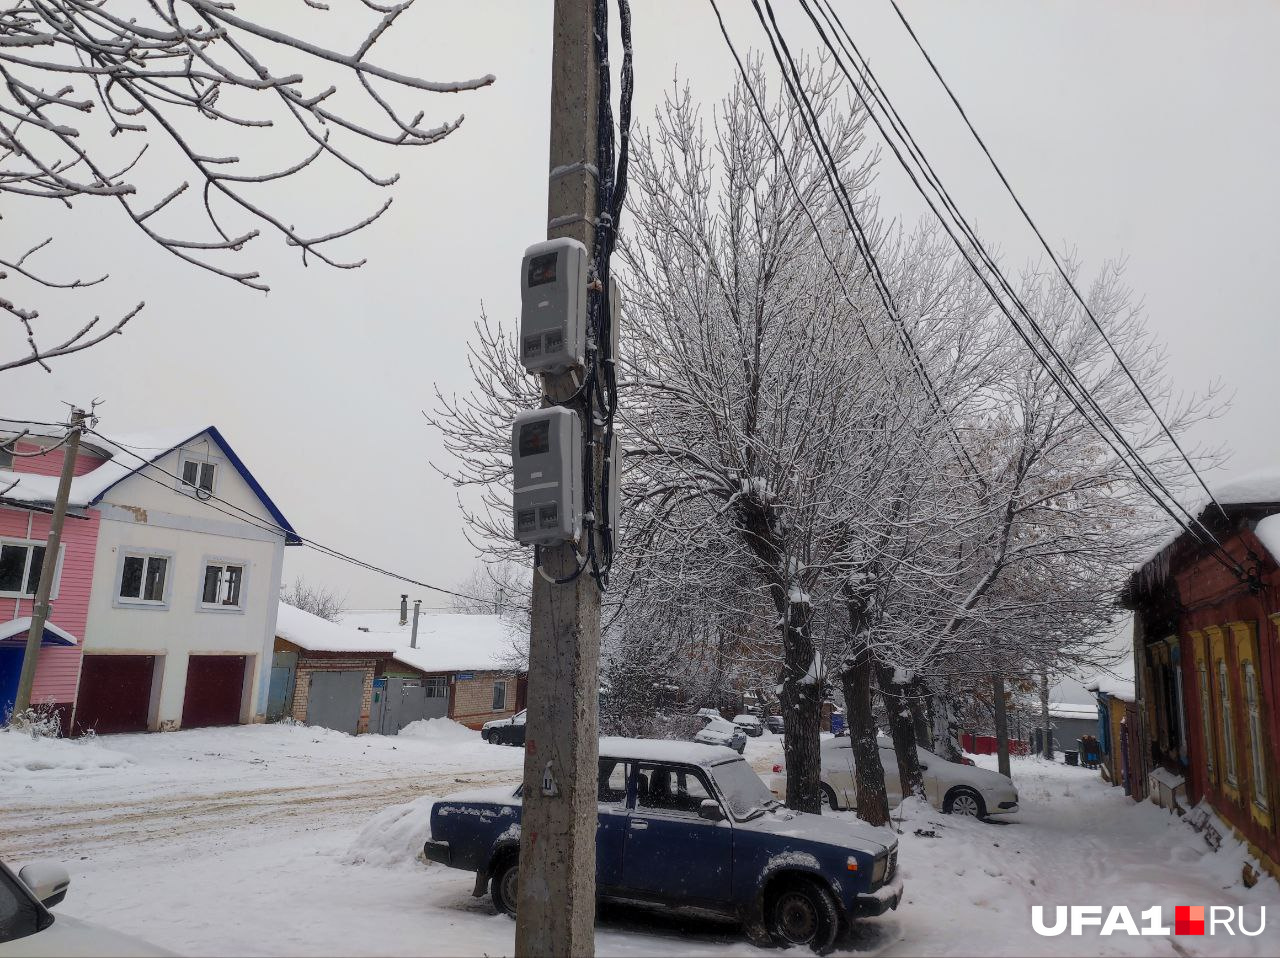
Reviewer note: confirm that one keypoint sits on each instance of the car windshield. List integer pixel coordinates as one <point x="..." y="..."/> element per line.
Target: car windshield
<point x="746" y="794"/>
<point x="719" y="725"/>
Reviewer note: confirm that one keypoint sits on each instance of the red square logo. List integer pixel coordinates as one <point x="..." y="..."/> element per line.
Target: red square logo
<point x="1188" y="920"/>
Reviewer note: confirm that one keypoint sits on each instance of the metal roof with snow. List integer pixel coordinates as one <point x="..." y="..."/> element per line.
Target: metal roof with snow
<point x="314" y="634"/>
<point x="447" y="641"/>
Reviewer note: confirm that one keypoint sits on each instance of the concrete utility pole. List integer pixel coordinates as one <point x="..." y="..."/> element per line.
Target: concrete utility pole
<point x="556" y="901"/>
<point x="1002" y="722"/>
<point x="48" y="568"/>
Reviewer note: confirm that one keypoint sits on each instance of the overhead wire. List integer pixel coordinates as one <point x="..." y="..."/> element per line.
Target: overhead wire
<point x="1205" y="536"/>
<point x="787" y="64"/>
<point x="1053" y="257"/>
<point x="862" y="243"/>
<point x="265" y="525"/>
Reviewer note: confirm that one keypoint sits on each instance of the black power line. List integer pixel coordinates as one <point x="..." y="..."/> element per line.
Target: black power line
<point x="1151" y="479"/>
<point x="1054" y="258"/>
<point x="265" y="525"/>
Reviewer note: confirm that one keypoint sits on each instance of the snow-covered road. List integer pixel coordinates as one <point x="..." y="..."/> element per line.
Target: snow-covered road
<point x="284" y="840"/>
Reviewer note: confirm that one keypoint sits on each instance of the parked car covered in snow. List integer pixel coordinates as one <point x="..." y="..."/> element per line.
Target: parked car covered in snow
<point x="955" y="788"/>
<point x="687" y="825"/>
<point x="507" y="731"/>
<point x="775" y="724"/>
<point x="29" y="929"/>
<point x="717" y="731"/>
<point x="750" y="724"/>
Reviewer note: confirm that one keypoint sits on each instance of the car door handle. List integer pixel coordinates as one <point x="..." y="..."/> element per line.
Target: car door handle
<point x="638" y="826"/>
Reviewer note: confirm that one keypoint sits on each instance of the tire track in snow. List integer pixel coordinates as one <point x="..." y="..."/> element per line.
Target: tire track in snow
<point x="30" y="831"/>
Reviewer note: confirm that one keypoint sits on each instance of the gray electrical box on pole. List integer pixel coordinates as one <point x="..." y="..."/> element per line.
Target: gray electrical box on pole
<point x="546" y="459"/>
<point x="556" y="899"/>
<point x="553" y="306"/>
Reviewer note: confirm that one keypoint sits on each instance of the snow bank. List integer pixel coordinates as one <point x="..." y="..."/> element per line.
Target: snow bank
<point x="395" y="835"/>
<point x="21" y="754"/>
<point x="442" y="730"/>
<point x="1268" y="533"/>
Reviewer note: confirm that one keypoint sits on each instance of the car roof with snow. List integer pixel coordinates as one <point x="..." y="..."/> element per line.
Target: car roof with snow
<point x="666" y="750"/>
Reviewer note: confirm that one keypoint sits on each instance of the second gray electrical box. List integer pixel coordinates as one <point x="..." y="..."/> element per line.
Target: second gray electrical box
<point x="553" y="306"/>
<point x="546" y="456"/>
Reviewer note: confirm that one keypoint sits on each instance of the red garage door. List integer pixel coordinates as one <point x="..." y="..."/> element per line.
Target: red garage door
<point x="215" y="685"/>
<point x="115" y="693"/>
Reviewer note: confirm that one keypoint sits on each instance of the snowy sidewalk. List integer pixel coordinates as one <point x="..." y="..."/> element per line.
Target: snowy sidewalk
<point x="279" y="840"/>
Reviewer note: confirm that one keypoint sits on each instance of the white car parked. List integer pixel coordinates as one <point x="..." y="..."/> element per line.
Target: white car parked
<point x="954" y="788"/>
<point x="749" y="724"/>
<point x="28" y="929"/>
<point x="717" y="731"/>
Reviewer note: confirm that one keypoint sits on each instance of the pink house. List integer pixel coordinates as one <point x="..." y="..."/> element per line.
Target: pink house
<point x="24" y="529"/>
<point x="168" y="578"/>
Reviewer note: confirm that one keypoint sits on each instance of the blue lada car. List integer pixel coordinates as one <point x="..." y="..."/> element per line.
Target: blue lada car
<point x="692" y="826"/>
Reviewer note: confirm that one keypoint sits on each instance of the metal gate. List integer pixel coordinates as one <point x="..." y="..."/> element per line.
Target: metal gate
<point x="280" y="692"/>
<point x="334" y="700"/>
<point x="404" y="701"/>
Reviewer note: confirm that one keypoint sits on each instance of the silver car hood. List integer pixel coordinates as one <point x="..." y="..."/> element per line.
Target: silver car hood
<point x="842" y="831"/>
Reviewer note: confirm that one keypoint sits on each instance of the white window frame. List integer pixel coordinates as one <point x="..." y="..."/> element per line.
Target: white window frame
<point x="199" y="462"/>
<point x="1224" y="714"/>
<point x="128" y="602"/>
<point x="30" y="544"/>
<point x="493" y="701"/>
<point x="222" y="562"/>
<point x="1254" y="718"/>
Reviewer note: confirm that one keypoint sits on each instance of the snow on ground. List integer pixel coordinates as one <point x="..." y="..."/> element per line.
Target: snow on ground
<point x="287" y="840"/>
<point x="23" y="755"/>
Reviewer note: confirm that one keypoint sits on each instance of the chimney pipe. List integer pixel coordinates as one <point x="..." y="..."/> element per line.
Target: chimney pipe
<point x="413" y="637"/>
<point x="404" y="609"/>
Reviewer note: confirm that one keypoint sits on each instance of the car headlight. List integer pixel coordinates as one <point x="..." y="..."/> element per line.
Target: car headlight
<point x="878" y="869"/>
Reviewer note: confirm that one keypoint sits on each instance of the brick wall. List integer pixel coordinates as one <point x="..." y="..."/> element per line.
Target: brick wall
<point x="308" y="663"/>
<point x="471" y="700"/>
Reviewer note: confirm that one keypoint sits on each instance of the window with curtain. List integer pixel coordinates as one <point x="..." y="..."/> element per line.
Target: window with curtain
<point x="1228" y="740"/>
<point x="1254" y="716"/>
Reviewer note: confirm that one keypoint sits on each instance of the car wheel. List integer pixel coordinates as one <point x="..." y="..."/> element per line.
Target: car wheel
<point x="965" y="801"/>
<point x="827" y="796"/>
<point x="505" y="885"/>
<point x="803" y="912"/>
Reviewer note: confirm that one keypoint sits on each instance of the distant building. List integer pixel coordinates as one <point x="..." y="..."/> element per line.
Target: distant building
<point x="474" y="667"/>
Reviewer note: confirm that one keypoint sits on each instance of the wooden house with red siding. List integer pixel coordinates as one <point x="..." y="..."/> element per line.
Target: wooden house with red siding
<point x="1207" y="657"/>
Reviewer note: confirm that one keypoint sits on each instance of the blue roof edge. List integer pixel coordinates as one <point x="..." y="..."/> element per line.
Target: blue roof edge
<point x="291" y="537"/>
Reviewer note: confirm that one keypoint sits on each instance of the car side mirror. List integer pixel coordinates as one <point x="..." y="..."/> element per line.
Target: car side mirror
<point x="47" y="881"/>
<point x="710" y="810"/>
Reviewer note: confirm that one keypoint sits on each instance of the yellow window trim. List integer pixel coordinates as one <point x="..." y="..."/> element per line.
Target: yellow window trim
<point x="1204" y="704"/>
<point x="1218" y="656"/>
<point x="1245" y="635"/>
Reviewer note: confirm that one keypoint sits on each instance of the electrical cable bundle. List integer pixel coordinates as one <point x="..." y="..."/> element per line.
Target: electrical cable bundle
<point x="599" y="391"/>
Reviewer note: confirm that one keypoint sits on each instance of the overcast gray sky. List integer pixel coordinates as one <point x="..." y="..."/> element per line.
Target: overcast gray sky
<point x="1146" y="130"/>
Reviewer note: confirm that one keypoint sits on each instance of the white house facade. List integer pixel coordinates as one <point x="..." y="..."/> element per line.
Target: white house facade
<point x="185" y="587"/>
